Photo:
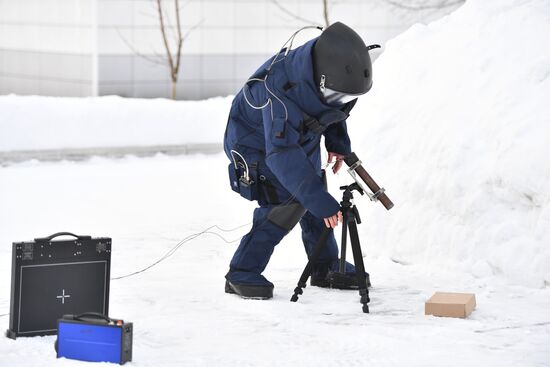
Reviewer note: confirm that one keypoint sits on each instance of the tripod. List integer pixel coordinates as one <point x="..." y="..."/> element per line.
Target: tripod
<point x="350" y="220"/>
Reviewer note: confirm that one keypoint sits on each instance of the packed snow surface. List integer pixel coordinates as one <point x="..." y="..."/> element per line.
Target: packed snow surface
<point x="181" y="315"/>
<point x="457" y="127"/>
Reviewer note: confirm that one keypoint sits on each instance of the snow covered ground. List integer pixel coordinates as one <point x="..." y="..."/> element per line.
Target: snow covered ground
<point x="455" y="128"/>
<point x="182" y="316"/>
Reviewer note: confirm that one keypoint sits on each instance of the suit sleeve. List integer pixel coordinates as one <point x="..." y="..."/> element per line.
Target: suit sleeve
<point x="337" y="139"/>
<point x="290" y="164"/>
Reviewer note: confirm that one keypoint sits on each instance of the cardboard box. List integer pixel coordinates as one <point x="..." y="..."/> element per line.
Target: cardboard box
<point x="451" y="304"/>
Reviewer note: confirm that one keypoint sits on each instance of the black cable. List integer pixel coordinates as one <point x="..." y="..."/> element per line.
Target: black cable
<point x="232" y="229"/>
<point x="182" y="242"/>
<point x="179" y="244"/>
<point x="207" y="231"/>
<point x="175" y="248"/>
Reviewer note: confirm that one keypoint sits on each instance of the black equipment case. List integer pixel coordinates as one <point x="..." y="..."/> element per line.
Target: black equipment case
<point x="50" y="279"/>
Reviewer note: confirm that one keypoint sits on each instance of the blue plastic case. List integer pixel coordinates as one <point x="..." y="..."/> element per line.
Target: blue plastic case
<point x="94" y="340"/>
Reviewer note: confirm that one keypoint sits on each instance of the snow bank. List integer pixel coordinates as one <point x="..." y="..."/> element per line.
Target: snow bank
<point x="457" y="129"/>
<point x="34" y="123"/>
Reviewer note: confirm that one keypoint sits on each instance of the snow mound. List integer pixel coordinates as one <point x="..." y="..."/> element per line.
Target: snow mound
<point x="35" y="123"/>
<point x="457" y="128"/>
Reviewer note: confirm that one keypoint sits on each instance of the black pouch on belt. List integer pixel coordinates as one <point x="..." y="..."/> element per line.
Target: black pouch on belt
<point x="244" y="180"/>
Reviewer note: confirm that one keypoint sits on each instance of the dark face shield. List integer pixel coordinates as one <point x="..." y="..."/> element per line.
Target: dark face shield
<point x="337" y="98"/>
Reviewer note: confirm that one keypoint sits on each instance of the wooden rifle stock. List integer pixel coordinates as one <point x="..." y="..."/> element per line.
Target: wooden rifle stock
<point x="352" y="160"/>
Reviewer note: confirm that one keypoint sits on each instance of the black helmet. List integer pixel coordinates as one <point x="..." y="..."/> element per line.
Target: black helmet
<point x="341" y="64"/>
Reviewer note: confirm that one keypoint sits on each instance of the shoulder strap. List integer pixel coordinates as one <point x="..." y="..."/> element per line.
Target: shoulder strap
<point x="311" y="123"/>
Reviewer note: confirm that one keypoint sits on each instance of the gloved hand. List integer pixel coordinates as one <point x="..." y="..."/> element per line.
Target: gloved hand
<point x="339" y="159"/>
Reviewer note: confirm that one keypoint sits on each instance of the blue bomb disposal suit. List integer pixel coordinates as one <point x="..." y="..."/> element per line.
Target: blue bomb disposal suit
<point x="278" y="148"/>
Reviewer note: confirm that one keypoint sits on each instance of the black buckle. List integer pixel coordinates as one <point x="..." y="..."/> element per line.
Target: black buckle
<point x="314" y="125"/>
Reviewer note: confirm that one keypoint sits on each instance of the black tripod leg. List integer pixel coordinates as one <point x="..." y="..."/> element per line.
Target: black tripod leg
<point x="359" y="265"/>
<point x="343" y="244"/>
<point x="309" y="267"/>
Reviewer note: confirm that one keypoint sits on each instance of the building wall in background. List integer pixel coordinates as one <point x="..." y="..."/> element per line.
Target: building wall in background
<point x="88" y="47"/>
<point x="46" y="47"/>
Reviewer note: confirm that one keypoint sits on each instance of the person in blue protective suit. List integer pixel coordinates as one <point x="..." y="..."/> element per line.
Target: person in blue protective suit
<point x="273" y="141"/>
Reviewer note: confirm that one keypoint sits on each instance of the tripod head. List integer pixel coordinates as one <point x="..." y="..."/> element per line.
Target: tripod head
<point x="348" y="189"/>
<point x="346" y="204"/>
<point x="354" y="186"/>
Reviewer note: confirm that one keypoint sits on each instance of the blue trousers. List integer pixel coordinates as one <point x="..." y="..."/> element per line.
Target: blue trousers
<point x="256" y="247"/>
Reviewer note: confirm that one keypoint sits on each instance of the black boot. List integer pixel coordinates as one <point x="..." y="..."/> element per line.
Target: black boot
<point x="249" y="291"/>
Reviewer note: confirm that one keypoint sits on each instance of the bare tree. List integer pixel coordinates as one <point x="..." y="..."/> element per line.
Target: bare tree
<point x="325" y="13"/>
<point x="325" y="4"/>
<point x="173" y="58"/>
<point x="409" y="5"/>
<point x="173" y="50"/>
<point x="417" y="5"/>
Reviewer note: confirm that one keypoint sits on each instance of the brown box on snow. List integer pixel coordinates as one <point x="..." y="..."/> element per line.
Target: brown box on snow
<point x="451" y="304"/>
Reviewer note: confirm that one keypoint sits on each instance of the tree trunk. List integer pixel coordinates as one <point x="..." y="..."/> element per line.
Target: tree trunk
<point x="174" y="89"/>
<point x="325" y="13"/>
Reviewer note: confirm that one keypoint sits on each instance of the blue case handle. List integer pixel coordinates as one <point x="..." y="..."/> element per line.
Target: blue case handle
<point x="90" y="315"/>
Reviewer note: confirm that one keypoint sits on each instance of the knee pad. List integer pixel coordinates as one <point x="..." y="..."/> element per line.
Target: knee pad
<point x="286" y="216"/>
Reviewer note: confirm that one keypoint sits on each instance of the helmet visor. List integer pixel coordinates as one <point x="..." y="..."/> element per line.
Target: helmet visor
<point x="335" y="97"/>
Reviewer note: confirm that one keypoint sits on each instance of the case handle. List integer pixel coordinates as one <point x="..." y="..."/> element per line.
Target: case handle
<point x="95" y="315"/>
<point x="49" y="238"/>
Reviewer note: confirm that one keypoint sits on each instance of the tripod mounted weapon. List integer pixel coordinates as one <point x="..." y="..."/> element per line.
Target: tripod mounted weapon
<point x="351" y="219"/>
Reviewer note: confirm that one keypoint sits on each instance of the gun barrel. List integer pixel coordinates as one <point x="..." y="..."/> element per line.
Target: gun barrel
<point x="351" y="160"/>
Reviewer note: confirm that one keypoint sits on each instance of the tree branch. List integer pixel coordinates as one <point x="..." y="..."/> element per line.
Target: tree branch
<point x="179" y="39"/>
<point x="163" y="31"/>
<point x="192" y="29"/>
<point x="426" y="6"/>
<point x="288" y="12"/>
<point x="159" y="61"/>
<point x="325" y="13"/>
<point x="170" y="34"/>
